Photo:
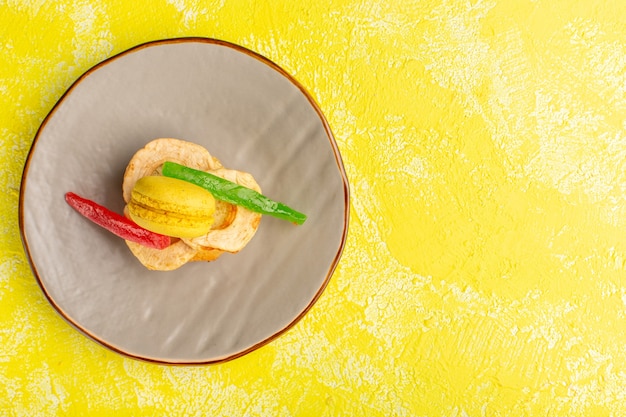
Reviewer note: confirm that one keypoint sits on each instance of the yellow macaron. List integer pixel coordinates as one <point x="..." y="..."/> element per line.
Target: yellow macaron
<point x="171" y="207"/>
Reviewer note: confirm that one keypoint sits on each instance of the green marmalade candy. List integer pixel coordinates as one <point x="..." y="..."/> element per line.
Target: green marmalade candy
<point x="233" y="193"/>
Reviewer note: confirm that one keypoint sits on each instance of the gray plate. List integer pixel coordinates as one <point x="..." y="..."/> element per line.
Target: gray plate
<point x="248" y="113"/>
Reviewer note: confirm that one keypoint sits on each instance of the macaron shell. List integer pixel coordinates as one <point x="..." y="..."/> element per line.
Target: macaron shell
<point x="171" y="225"/>
<point x="171" y="207"/>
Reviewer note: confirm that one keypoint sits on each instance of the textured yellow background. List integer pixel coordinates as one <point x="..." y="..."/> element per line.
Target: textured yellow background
<point x="484" y="274"/>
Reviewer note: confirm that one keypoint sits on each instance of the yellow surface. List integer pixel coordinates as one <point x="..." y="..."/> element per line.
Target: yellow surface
<point x="484" y="274"/>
